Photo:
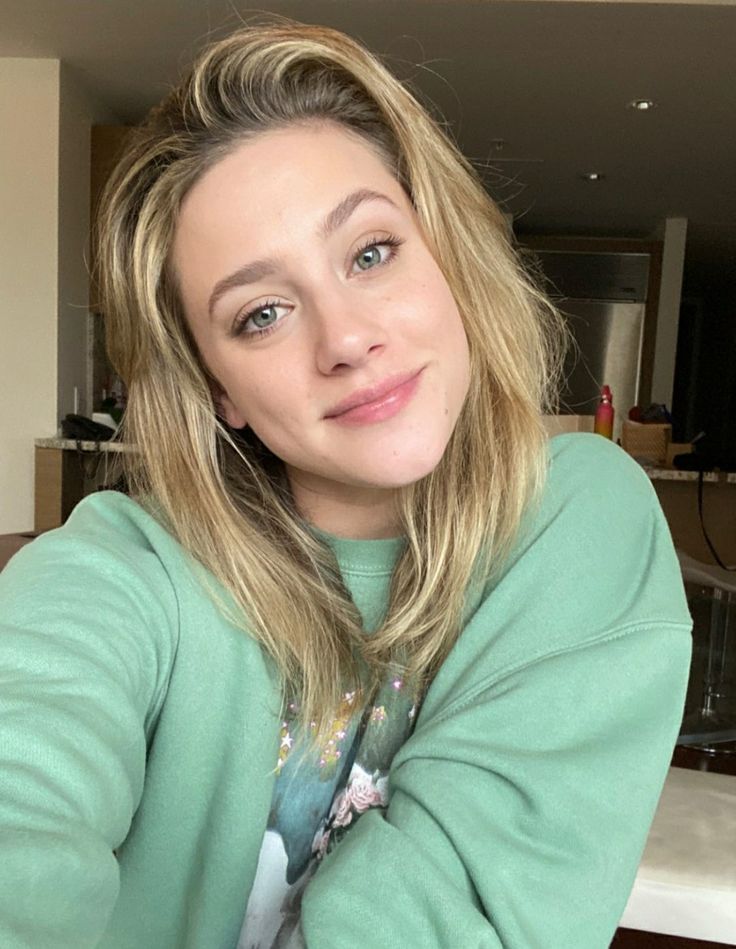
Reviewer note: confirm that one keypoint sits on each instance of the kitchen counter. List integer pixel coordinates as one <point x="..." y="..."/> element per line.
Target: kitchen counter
<point x="674" y="474"/>
<point x="678" y="494"/>
<point x="66" y="470"/>
<point x="71" y="444"/>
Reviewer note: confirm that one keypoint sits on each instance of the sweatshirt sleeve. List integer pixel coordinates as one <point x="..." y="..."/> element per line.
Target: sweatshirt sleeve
<point x="520" y="806"/>
<point x="84" y="649"/>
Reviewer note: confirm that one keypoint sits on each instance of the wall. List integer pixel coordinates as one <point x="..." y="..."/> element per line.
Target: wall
<point x="46" y="115"/>
<point x="674" y="235"/>
<point x="29" y="228"/>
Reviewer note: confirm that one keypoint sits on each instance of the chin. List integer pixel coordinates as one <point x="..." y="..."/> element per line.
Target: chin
<point x="404" y="468"/>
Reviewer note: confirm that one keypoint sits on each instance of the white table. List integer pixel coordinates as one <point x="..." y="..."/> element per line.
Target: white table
<point x="686" y="884"/>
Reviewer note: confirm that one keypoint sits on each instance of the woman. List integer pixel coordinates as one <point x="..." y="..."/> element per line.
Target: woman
<point x="363" y="660"/>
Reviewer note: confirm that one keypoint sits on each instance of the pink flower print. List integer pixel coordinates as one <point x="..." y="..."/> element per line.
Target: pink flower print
<point x="364" y="793"/>
<point x="378" y="714"/>
<point x="341" y="812"/>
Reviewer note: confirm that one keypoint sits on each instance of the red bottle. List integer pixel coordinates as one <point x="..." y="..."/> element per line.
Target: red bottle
<point x="603" y="424"/>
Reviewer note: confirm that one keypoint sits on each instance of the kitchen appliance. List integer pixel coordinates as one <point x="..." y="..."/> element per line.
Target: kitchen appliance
<point x="603" y="298"/>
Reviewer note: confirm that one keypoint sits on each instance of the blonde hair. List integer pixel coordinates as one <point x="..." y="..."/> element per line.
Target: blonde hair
<point x="224" y="497"/>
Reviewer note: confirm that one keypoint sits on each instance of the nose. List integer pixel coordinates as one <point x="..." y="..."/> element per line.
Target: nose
<point x="348" y="330"/>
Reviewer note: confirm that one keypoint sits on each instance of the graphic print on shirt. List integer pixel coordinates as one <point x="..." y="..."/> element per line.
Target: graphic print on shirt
<point x="388" y="724"/>
<point x="316" y="801"/>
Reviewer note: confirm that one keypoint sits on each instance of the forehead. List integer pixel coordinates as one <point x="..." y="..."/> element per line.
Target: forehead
<point x="270" y="195"/>
<point x="283" y="165"/>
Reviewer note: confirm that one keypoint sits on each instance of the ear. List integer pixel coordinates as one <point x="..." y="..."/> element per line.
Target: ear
<point x="225" y="407"/>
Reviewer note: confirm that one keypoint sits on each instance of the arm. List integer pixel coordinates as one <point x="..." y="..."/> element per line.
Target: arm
<point x="520" y="806"/>
<point x="84" y="648"/>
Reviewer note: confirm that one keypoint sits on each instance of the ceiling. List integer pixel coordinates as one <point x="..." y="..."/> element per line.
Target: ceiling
<point x="551" y="79"/>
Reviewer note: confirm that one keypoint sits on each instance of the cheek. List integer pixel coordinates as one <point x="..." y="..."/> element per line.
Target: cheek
<point x="456" y="352"/>
<point x="273" y="406"/>
<point x="449" y="325"/>
<point x="255" y="386"/>
<point x="458" y="371"/>
<point x="437" y="292"/>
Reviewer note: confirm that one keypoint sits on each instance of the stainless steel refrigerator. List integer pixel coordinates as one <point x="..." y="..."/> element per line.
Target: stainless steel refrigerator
<point x="603" y="297"/>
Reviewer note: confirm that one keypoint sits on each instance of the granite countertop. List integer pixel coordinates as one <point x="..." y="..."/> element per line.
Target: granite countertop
<point x="674" y="474"/>
<point x="72" y="444"/>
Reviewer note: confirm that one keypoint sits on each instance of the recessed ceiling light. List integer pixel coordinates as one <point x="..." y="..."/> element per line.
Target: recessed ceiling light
<point x="592" y="176"/>
<point x="642" y="105"/>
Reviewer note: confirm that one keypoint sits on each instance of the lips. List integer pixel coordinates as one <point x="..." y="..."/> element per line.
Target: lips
<point x="376" y="402"/>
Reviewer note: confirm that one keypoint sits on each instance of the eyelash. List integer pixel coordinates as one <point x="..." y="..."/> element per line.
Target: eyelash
<point x="390" y="240"/>
<point x="242" y="321"/>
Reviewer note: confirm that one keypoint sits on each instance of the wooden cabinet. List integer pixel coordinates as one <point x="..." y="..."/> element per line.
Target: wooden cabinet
<point x="59" y="486"/>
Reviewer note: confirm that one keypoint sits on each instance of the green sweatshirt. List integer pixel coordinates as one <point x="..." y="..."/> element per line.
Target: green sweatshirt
<point x="139" y="733"/>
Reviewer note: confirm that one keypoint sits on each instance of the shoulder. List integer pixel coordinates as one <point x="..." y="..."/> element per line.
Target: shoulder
<point x="590" y="471"/>
<point x="113" y="520"/>
<point x="599" y="539"/>
<point x="110" y="555"/>
<point x="104" y="529"/>
<point x="597" y="510"/>
<point x="593" y="561"/>
<point x="97" y="601"/>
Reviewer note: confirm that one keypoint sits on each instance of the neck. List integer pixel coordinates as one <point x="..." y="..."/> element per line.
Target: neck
<point x="352" y="513"/>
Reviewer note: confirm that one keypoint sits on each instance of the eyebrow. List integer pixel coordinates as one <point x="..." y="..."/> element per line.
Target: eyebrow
<point x="258" y="269"/>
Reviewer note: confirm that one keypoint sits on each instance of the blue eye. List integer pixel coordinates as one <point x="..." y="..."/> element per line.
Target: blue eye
<point x="260" y="321"/>
<point x="368" y="258"/>
<point x="264" y="318"/>
<point x="376" y="252"/>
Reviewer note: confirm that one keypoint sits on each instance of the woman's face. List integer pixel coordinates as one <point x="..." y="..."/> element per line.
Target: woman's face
<point x="318" y="308"/>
